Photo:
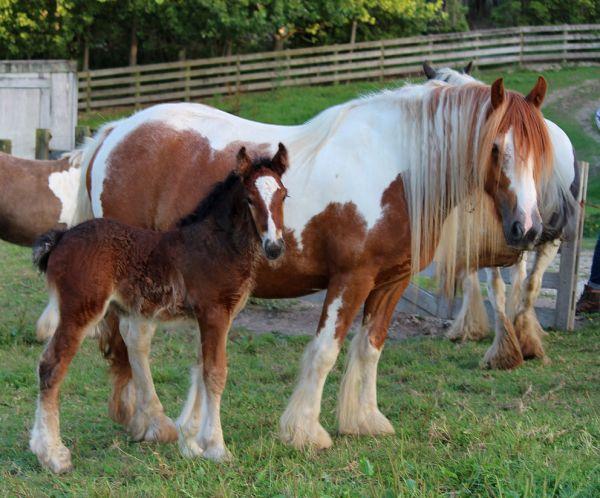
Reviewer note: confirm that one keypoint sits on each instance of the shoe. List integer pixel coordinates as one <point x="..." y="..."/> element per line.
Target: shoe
<point x="589" y="302"/>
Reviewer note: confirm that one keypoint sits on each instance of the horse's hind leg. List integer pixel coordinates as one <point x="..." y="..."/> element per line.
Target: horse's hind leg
<point x="149" y="422"/>
<point x="48" y="321"/>
<point x="471" y="324"/>
<point x="505" y="352"/>
<point x="45" y="439"/>
<point x="357" y="411"/>
<point x="527" y="327"/>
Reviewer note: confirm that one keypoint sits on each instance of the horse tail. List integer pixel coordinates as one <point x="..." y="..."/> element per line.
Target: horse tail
<point x="83" y="207"/>
<point x="112" y="346"/>
<point x="43" y="247"/>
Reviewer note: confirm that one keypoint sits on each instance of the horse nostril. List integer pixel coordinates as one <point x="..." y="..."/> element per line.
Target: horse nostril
<point x="517" y="231"/>
<point x="273" y="249"/>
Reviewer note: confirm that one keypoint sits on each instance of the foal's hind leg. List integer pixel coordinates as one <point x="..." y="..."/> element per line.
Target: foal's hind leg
<point x="45" y="439"/>
<point x="149" y="422"/>
<point x="505" y="352"/>
<point x="527" y="327"/>
<point x="357" y="411"/>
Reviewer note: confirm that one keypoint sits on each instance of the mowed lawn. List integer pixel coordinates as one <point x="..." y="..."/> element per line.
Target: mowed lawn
<point x="460" y="430"/>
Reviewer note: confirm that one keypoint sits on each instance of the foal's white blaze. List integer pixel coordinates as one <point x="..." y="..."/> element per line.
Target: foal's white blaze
<point x="267" y="186"/>
<point x="300" y="422"/>
<point x="521" y="182"/>
<point x="64" y="185"/>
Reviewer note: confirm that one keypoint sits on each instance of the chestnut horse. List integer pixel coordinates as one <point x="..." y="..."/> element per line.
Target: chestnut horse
<point x="202" y="270"/>
<point x="36" y="196"/>
<point x="371" y="184"/>
<point x="518" y="334"/>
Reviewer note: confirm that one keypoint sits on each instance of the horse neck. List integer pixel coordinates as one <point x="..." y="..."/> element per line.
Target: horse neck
<point x="229" y="224"/>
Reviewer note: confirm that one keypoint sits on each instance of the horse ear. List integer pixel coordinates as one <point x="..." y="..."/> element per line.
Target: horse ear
<point x="244" y="163"/>
<point x="429" y="71"/>
<point x="468" y="68"/>
<point x="280" y="163"/>
<point x="497" y="93"/>
<point x="536" y="96"/>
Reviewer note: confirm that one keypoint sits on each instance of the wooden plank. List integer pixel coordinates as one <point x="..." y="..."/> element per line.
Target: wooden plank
<point x="569" y="263"/>
<point x="5" y="146"/>
<point x="42" y="143"/>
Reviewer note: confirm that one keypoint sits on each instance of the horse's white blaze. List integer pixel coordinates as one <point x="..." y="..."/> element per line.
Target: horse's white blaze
<point x="64" y="185"/>
<point x="267" y="186"/>
<point x="300" y="422"/>
<point x="521" y="181"/>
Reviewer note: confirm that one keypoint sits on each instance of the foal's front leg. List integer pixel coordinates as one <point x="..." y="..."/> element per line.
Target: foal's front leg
<point x="471" y="324"/>
<point x="214" y="326"/>
<point x="149" y="422"/>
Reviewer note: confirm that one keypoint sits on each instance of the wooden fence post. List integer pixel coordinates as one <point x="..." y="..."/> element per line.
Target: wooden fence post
<point x="88" y="92"/>
<point x="138" y="93"/>
<point x="80" y="133"/>
<point x="188" y="79"/>
<point x="6" y="146"/>
<point x="42" y="143"/>
<point x="569" y="264"/>
<point x="381" y="62"/>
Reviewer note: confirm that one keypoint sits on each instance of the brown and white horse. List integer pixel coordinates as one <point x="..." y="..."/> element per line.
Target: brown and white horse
<point x="518" y="334"/>
<point x="202" y="270"/>
<point x="370" y="185"/>
<point x="36" y="196"/>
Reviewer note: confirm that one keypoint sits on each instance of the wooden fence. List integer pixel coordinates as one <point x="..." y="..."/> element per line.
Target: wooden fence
<point x="563" y="281"/>
<point x="194" y="79"/>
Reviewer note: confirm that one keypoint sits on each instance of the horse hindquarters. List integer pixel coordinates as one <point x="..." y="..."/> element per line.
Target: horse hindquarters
<point x="77" y="314"/>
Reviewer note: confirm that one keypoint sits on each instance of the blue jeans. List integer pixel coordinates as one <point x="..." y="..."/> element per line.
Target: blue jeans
<point x="594" y="282"/>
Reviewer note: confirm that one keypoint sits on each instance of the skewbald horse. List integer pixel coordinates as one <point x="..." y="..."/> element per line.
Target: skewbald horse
<point x="371" y="184"/>
<point x="518" y="334"/>
<point x="202" y="270"/>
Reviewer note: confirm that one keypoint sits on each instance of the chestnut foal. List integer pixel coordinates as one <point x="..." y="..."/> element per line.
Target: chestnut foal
<point x="203" y="269"/>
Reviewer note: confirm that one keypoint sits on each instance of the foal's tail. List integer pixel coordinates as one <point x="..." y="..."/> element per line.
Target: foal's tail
<point x="43" y="247"/>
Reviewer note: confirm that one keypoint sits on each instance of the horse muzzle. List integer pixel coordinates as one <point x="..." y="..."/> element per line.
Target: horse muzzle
<point x="518" y="238"/>
<point x="273" y="249"/>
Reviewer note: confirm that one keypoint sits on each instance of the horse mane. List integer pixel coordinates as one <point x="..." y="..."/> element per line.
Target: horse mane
<point x="218" y="194"/>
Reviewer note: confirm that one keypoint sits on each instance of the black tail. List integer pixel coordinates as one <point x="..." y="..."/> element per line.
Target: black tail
<point x="43" y="246"/>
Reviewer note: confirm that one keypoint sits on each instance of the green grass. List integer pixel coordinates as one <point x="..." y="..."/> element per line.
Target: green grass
<point x="460" y="430"/>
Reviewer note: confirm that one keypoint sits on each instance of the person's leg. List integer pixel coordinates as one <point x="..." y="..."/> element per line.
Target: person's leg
<point x="589" y="302"/>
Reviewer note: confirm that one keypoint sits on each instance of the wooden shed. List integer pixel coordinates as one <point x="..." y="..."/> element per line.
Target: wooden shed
<point x="38" y="94"/>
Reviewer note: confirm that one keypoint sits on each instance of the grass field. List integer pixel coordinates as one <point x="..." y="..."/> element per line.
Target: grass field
<point x="461" y="430"/>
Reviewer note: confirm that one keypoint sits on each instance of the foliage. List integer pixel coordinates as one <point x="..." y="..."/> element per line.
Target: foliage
<point x="539" y="12"/>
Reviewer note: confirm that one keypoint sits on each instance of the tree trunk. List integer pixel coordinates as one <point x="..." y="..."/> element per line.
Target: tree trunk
<point x="133" y="46"/>
<point x="86" y="55"/>
<point x="353" y="32"/>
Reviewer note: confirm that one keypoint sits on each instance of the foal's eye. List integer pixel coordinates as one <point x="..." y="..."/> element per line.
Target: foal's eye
<point x="495" y="150"/>
<point x="249" y="201"/>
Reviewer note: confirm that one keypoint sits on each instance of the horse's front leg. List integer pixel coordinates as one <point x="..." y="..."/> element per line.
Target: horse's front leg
<point x="149" y="422"/>
<point x="206" y="407"/>
<point x="518" y="275"/>
<point x="505" y="352"/>
<point x="472" y="323"/>
<point x="299" y="424"/>
<point x="357" y="411"/>
<point x="527" y="327"/>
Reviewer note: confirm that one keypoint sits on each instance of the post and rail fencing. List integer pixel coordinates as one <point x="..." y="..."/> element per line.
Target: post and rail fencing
<point x="194" y="79"/>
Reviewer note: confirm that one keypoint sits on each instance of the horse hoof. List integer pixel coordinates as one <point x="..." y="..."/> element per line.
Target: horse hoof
<point x="218" y="454"/>
<point x="373" y="423"/>
<point x="161" y="430"/>
<point x="189" y="448"/>
<point x="306" y="436"/>
<point x="57" y="459"/>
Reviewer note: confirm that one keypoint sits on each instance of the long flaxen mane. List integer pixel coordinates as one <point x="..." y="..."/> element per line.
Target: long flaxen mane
<point x="447" y="142"/>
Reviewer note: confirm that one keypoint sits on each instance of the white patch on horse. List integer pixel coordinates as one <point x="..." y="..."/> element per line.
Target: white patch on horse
<point x="267" y="186"/>
<point x="522" y="183"/>
<point x="64" y="185"/>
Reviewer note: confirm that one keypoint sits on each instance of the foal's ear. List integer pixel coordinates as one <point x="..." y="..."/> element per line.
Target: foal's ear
<point x="497" y="93"/>
<point x="468" y="68"/>
<point x="279" y="163"/>
<point x="429" y="71"/>
<point x="536" y="96"/>
<point x="244" y="163"/>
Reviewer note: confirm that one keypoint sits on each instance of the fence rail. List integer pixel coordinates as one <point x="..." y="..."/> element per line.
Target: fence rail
<point x="193" y="79"/>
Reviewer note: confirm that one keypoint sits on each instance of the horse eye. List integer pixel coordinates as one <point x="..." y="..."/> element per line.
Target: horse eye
<point x="249" y="201"/>
<point x="495" y="150"/>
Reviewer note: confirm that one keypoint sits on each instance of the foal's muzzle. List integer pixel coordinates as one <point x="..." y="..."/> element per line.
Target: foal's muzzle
<point x="273" y="249"/>
<point x="517" y="237"/>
